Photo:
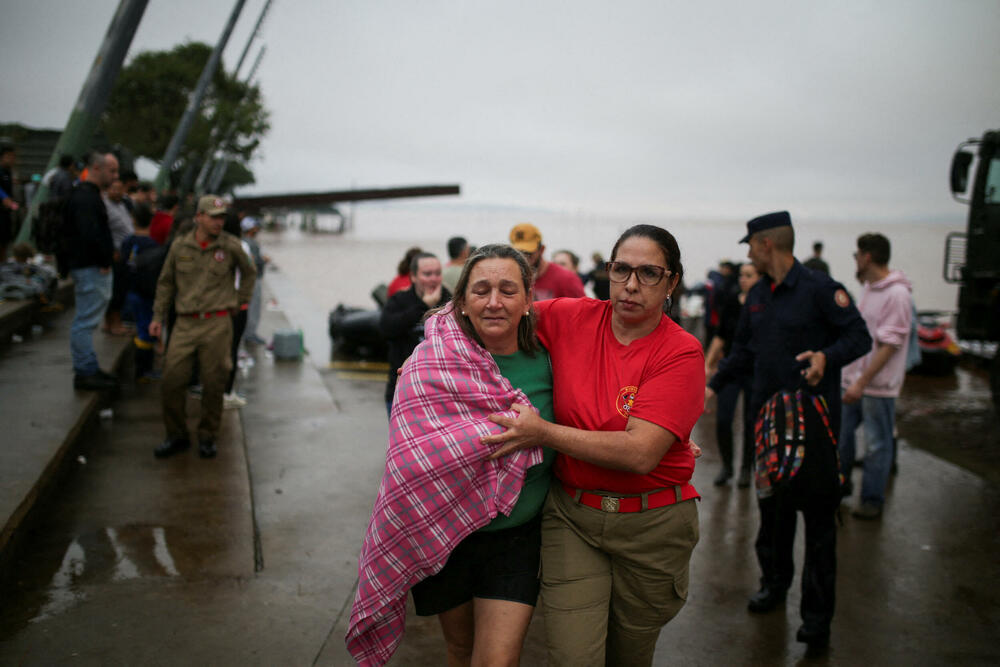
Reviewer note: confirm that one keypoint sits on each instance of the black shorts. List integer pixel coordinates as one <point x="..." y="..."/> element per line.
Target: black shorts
<point x="496" y="565"/>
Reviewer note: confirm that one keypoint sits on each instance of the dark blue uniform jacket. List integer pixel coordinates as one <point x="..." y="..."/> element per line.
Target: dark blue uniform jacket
<point x="808" y="310"/>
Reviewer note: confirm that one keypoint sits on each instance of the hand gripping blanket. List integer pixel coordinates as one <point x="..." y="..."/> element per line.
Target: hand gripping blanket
<point x="437" y="487"/>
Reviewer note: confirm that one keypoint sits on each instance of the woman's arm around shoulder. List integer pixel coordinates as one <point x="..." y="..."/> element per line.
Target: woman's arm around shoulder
<point x="637" y="449"/>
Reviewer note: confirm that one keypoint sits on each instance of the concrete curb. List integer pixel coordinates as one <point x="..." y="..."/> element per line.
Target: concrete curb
<point x="45" y="423"/>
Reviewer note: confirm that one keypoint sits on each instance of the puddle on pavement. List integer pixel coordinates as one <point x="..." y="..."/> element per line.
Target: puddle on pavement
<point x="48" y="586"/>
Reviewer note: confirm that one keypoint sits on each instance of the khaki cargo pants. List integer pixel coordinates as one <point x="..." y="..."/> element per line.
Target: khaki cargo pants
<point x="210" y="340"/>
<point x="610" y="582"/>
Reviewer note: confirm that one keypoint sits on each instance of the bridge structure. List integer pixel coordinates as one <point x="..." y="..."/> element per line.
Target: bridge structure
<point x="310" y="204"/>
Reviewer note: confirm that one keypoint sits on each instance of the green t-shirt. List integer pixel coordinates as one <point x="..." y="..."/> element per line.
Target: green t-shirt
<point x="533" y="376"/>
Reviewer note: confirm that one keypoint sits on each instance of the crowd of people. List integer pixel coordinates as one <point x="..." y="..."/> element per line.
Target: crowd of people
<point x="539" y="439"/>
<point x="177" y="276"/>
<point x="535" y="429"/>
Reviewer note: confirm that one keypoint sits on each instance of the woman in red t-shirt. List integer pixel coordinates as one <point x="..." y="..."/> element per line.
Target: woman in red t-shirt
<point x="402" y="280"/>
<point x="620" y="523"/>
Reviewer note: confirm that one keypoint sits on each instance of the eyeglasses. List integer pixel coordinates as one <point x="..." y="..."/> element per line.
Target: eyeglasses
<point x="647" y="274"/>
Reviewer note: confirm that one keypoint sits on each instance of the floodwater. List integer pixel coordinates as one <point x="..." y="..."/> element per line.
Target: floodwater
<point x="368" y="254"/>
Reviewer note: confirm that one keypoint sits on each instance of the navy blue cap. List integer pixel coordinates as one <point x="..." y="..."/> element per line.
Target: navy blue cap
<point x="767" y="221"/>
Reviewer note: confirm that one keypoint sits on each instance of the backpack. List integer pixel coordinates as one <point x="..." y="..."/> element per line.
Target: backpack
<point x="148" y="265"/>
<point x="795" y="448"/>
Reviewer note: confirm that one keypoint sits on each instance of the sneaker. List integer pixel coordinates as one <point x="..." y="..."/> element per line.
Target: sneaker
<point x="95" y="382"/>
<point x="867" y="511"/>
<point x="233" y="400"/>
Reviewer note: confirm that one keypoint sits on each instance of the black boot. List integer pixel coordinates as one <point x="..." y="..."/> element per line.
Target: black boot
<point x="206" y="449"/>
<point x="171" y="446"/>
<point x="723" y="477"/>
<point x="765" y="600"/>
<point x="817" y="639"/>
<point x="96" y="382"/>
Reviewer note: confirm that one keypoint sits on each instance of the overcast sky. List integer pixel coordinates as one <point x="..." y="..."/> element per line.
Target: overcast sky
<point x="846" y="110"/>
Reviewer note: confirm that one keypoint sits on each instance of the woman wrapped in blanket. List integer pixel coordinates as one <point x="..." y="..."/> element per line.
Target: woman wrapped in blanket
<point x="479" y="356"/>
<point x="620" y="522"/>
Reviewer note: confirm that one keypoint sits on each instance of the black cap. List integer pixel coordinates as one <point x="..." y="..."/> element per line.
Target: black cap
<point x="767" y="221"/>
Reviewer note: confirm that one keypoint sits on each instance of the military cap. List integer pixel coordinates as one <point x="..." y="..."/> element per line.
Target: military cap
<point x="767" y="221"/>
<point x="212" y="205"/>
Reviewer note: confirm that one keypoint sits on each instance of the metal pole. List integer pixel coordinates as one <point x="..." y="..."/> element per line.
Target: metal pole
<point x="199" y="184"/>
<point x="86" y="114"/>
<point x="194" y="103"/>
<point x="219" y="172"/>
<point x="253" y="36"/>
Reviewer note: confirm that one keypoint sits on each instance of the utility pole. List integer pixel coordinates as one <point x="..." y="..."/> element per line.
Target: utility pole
<point x="86" y="114"/>
<point x="194" y="102"/>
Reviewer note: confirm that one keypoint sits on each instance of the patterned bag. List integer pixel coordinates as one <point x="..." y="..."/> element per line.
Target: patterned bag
<point x="795" y="447"/>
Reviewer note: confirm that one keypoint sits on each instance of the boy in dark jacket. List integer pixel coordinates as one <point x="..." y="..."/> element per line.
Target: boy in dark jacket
<point x="142" y="257"/>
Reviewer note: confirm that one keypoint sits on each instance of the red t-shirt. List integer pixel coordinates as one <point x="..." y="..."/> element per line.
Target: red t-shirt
<point x="557" y="281"/>
<point x="159" y="226"/>
<point x="598" y="383"/>
<point x="398" y="284"/>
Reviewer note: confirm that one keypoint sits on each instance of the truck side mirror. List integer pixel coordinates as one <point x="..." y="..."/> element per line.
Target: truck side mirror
<point x="960" y="171"/>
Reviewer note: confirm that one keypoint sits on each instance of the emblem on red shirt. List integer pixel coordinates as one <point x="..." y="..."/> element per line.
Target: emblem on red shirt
<point x="842" y="299"/>
<point x="626" y="397"/>
<point x="219" y="255"/>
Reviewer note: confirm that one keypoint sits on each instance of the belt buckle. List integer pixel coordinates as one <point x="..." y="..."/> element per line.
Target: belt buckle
<point x="609" y="504"/>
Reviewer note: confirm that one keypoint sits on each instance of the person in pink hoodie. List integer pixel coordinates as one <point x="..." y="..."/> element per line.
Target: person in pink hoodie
<point x="872" y="382"/>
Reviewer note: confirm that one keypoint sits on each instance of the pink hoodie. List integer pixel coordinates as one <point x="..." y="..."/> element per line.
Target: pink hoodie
<point x="886" y="307"/>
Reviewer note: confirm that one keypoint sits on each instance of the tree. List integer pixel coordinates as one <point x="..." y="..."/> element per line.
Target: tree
<point x="149" y="99"/>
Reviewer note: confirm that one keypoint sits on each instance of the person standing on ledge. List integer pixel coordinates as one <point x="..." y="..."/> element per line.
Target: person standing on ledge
<point x="199" y="278"/>
<point x="86" y="252"/>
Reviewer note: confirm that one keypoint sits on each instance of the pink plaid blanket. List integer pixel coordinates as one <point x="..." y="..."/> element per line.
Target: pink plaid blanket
<point x="438" y="486"/>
